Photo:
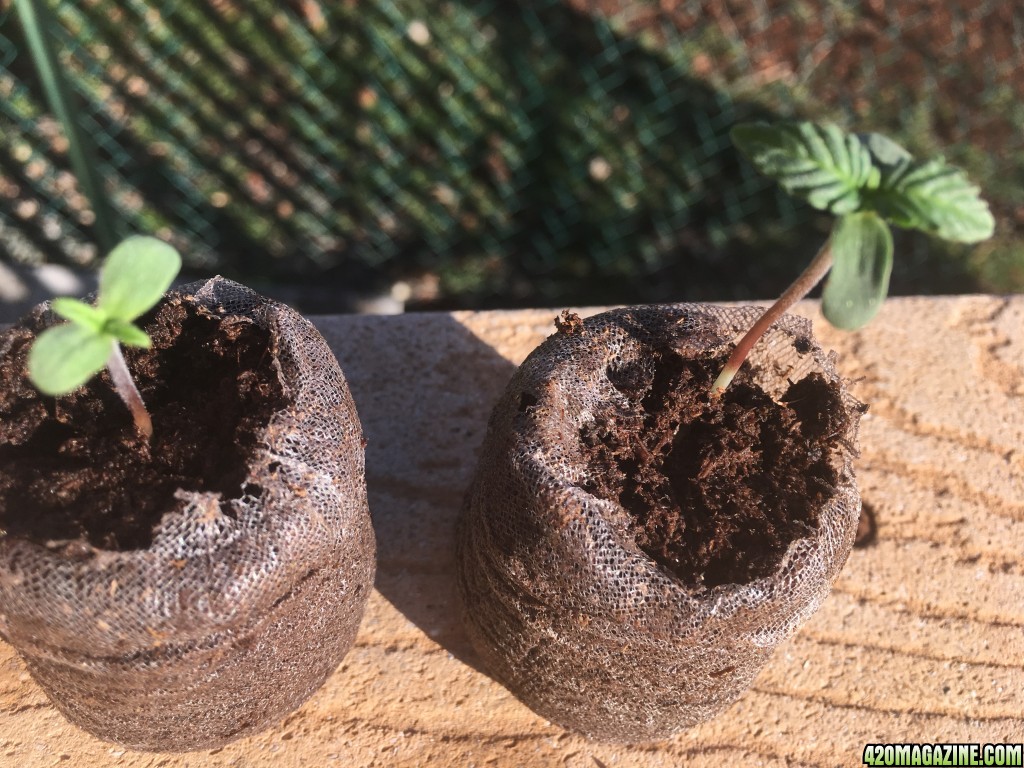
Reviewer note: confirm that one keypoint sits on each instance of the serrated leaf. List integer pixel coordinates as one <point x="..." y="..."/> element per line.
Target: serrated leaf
<point x="128" y="333"/>
<point x="884" y="150"/>
<point x="819" y="163"/>
<point x="936" y="198"/>
<point x="79" y="312"/>
<point x="63" y="358"/>
<point x="862" y="168"/>
<point x="858" y="282"/>
<point x="135" y="276"/>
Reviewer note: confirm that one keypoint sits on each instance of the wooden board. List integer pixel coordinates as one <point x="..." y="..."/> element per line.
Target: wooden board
<point x="921" y="640"/>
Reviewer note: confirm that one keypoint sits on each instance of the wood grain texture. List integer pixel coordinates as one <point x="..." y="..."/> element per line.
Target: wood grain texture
<point x="922" y="639"/>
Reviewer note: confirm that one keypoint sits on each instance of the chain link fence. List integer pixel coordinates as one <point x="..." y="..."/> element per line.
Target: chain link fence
<point x="500" y="152"/>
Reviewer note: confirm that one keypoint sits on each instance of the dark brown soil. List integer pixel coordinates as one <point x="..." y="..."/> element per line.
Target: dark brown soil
<point x="74" y="469"/>
<point x="717" y="489"/>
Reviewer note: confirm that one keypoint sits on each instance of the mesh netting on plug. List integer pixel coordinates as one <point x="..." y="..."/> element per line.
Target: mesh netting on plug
<point x="568" y="598"/>
<point x="210" y="612"/>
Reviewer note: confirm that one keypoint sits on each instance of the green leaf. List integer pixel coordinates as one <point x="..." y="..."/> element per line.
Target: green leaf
<point x="936" y="198"/>
<point x="861" y="263"/>
<point x="79" y="312"/>
<point x="884" y="151"/>
<point x="135" y="276"/>
<point x="128" y="333"/>
<point x="63" y="358"/>
<point x="819" y="163"/>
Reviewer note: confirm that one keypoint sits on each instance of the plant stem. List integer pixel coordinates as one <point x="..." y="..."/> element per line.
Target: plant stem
<point x="129" y="393"/>
<point x="39" y="26"/>
<point x="809" y="278"/>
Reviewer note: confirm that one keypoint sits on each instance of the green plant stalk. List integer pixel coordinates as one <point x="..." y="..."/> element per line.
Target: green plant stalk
<point x="810" y="277"/>
<point x="129" y="393"/>
<point x="37" y="22"/>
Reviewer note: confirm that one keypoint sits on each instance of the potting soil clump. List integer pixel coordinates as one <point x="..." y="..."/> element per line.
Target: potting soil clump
<point x="717" y="487"/>
<point x="76" y="470"/>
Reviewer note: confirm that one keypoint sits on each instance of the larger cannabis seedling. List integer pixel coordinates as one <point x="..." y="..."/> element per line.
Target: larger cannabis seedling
<point x="866" y="180"/>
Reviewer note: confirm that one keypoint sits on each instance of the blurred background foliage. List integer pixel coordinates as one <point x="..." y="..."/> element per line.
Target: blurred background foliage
<point x="483" y="153"/>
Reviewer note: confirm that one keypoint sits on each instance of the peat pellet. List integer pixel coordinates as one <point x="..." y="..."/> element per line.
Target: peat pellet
<point x="179" y="594"/>
<point x="632" y="549"/>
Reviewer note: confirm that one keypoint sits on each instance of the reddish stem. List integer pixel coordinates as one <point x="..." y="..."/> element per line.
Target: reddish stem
<point x="129" y="393"/>
<point x="809" y="278"/>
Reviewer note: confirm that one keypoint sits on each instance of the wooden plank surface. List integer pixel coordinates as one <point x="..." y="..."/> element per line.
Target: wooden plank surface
<point x="921" y="640"/>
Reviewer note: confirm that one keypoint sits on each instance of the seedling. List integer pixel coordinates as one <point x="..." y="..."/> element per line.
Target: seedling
<point x="866" y="180"/>
<point x="133" y="279"/>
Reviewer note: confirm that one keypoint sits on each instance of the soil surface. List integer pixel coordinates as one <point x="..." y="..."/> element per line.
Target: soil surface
<point x="74" y="469"/>
<point x="717" y="489"/>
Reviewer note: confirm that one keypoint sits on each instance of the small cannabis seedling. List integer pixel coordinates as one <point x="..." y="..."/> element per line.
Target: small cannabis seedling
<point x="133" y="279"/>
<point x="866" y="180"/>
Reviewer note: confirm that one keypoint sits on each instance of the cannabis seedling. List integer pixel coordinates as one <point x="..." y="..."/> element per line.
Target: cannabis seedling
<point x="133" y="279"/>
<point x="866" y="180"/>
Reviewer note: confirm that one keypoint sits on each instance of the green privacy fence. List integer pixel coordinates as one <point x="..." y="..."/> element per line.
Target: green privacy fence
<point x="498" y="151"/>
